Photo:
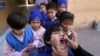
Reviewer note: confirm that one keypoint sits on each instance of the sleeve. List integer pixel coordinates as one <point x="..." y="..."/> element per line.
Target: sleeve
<point x="81" y="52"/>
<point x="9" y="51"/>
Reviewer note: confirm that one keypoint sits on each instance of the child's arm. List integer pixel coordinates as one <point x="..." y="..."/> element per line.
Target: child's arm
<point x="9" y="51"/>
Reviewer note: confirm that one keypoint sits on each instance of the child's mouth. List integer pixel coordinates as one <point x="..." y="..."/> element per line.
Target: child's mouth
<point x="62" y="41"/>
<point x="62" y="44"/>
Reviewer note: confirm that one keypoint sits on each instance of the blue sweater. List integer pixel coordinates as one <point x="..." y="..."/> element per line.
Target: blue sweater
<point x="18" y="45"/>
<point x="48" y="22"/>
<point x="48" y="51"/>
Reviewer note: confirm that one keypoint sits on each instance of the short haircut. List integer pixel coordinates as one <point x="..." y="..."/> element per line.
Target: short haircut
<point x="52" y="6"/>
<point x="53" y="28"/>
<point x="66" y="16"/>
<point x="16" y="20"/>
<point x="43" y="4"/>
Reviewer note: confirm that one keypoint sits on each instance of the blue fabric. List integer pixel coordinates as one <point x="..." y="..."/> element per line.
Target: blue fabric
<point x="18" y="45"/>
<point x="48" y="51"/>
<point x="44" y="16"/>
<point x="35" y="15"/>
<point x="65" y="2"/>
<point x="49" y="23"/>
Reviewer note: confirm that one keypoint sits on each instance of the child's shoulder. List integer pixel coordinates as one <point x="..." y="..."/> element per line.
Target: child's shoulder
<point x="42" y="29"/>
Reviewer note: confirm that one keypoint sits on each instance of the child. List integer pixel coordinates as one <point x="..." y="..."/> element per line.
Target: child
<point x="62" y="6"/>
<point x="55" y="43"/>
<point x="38" y="31"/>
<point x="43" y="11"/>
<point x="52" y="19"/>
<point x="66" y="19"/>
<point x="18" y="41"/>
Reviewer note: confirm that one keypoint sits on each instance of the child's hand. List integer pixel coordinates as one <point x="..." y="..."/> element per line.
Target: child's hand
<point x="73" y="41"/>
<point x="30" y="48"/>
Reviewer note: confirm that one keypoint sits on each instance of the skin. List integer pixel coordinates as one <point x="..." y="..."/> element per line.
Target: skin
<point x="59" y="48"/>
<point x="51" y="13"/>
<point x="67" y="24"/>
<point x="43" y="8"/>
<point x="19" y="32"/>
<point x="73" y="41"/>
<point x="35" y="24"/>
<point x="62" y="8"/>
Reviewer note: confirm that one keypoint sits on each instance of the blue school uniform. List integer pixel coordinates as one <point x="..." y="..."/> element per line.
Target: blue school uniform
<point x="49" y="23"/>
<point x="18" y="45"/>
<point x="48" y="51"/>
<point x="44" y="16"/>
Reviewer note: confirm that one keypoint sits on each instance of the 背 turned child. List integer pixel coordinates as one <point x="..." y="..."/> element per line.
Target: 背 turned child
<point x="19" y="39"/>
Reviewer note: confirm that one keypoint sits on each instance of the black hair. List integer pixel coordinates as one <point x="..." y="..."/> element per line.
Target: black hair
<point x="65" y="16"/>
<point x="16" y="20"/>
<point x="52" y="6"/>
<point x="53" y="28"/>
<point x="43" y="4"/>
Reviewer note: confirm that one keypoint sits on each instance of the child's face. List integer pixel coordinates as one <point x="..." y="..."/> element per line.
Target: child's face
<point x="43" y="8"/>
<point x="62" y="8"/>
<point x="51" y="13"/>
<point x="19" y="32"/>
<point x="57" y="39"/>
<point x="35" y="24"/>
<point x="67" y="23"/>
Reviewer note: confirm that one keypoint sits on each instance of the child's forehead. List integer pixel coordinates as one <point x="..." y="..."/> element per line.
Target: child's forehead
<point x="63" y="5"/>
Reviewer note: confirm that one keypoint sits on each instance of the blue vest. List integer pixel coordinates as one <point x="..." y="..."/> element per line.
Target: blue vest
<point x="18" y="45"/>
<point x="49" y="23"/>
<point x="48" y="51"/>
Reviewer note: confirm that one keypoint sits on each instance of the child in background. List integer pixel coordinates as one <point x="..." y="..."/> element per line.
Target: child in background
<point x="43" y="11"/>
<point x="18" y="41"/>
<point x="35" y="21"/>
<point x="52" y="19"/>
<point x="62" y="6"/>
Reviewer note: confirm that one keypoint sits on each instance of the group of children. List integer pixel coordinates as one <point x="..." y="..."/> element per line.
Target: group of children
<point x="49" y="32"/>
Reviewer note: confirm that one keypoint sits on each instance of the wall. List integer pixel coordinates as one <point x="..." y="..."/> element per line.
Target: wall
<point x="86" y="11"/>
<point x="3" y="15"/>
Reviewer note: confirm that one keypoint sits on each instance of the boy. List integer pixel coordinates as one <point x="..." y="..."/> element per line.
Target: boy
<point x="55" y="43"/>
<point x="52" y="19"/>
<point x="18" y="40"/>
<point x="43" y="11"/>
<point x="66" y="19"/>
<point x="38" y="31"/>
<point x="62" y="6"/>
